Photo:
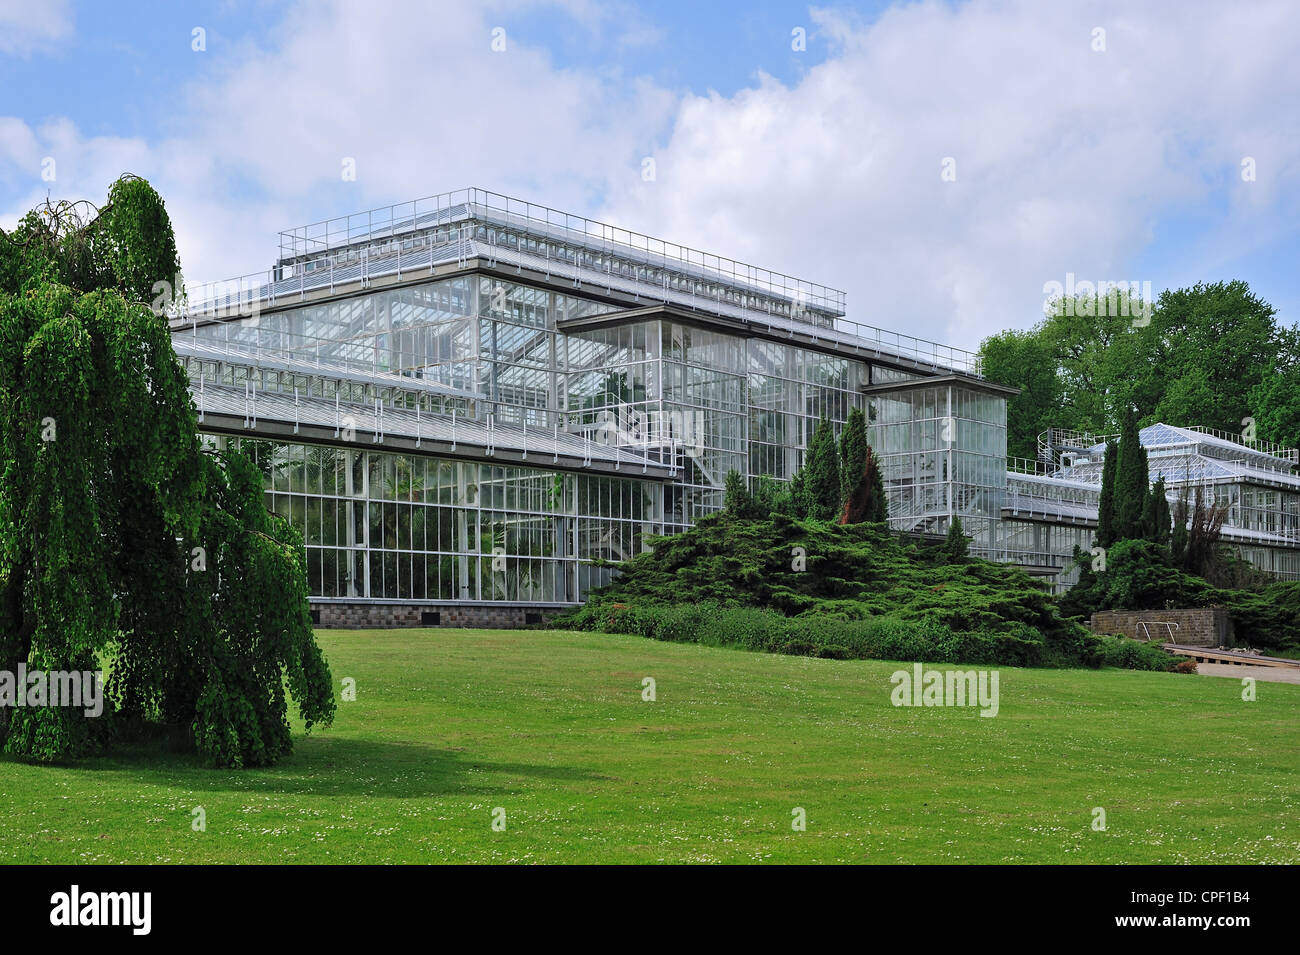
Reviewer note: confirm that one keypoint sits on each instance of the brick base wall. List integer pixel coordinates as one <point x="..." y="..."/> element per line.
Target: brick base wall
<point x="368" y="616"/>
<point x="1198" y="627"/>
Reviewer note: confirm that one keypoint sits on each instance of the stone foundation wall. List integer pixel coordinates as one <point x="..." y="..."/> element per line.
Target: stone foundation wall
<point x="373" y="616"/>
<point x="1199" y="627"/>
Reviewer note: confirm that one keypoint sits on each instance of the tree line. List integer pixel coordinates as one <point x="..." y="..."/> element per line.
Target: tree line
<point x="1212" y="355"/>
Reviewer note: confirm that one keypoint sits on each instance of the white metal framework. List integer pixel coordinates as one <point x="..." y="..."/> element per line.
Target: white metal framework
<point x="471" y="398"/>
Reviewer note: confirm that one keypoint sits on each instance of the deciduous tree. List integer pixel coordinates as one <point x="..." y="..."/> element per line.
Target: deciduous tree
<point x="122" y="541"/>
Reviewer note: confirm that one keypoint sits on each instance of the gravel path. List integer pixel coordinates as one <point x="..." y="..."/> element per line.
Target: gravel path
<point x="1263" y="674"/>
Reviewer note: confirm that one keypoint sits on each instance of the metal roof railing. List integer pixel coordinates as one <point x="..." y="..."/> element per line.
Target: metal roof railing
<point x="451" y="228"/>
<point x="419" y="215"/>
<point x="1262" y="447"/>
<point x="1030" y="466"/>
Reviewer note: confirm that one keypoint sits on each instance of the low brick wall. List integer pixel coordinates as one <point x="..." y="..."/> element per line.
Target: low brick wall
<point x="373" y="616"/>
<point x="1198" y="627"/>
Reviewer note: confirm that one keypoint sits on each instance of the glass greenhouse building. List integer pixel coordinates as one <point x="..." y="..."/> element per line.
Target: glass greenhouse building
<point x="471" y="406"/>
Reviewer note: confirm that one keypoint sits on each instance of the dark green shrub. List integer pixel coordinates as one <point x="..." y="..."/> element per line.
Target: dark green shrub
<point x="1134" y="654"/>
<point x="1140" y="575"/>
<point x="855" y="638"/>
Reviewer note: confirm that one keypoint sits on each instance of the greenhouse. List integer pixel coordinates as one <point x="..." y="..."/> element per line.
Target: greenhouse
<point x="476" y="406"/>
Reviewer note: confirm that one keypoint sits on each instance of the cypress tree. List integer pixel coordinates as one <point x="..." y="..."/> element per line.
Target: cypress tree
<point x="1164" y="519"/>
<point x="878" y="508"/>
<point x="1156" y="518"/>
<point x="1106" y="508"/>
<point x="823" y="480"/>
<point x="866" y="502"/>
<point x="954" y="545"/>
<point x="1131" y="486"/>
<point x="799" y="493"/>
<point x="853" y="453"/>
<point x="1178" y="535"/>
<point x="738" y="502"/>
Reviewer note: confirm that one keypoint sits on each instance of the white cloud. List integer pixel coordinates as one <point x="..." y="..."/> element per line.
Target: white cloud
<point x="421" y="110"/>
<point x="27" y="27"/>
<point x="1068" y="160"/>
<point x="260" y="142"/>
<point x="77" y="167"/>
<point x="1065" y="157"/>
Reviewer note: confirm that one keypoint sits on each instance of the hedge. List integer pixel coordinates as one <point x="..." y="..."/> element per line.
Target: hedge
<point x="874" y="638"/>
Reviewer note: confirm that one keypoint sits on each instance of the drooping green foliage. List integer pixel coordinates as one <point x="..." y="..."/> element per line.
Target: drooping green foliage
<point x="123" y="545"/>
<point x="1106" y="505"/>
<point x="134" y="236"/>
<point x="831" y="574"/>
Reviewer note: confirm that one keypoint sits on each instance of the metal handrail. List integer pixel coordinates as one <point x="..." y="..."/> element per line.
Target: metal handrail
<point x="1172" y="625"/>
<point x="1263" y="447"/>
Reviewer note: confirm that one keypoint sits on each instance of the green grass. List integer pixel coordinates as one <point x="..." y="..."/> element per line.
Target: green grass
<point x="550" y="726"/>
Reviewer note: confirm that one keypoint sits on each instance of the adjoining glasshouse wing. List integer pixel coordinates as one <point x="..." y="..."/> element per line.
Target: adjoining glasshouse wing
<point x="471" y="405"/>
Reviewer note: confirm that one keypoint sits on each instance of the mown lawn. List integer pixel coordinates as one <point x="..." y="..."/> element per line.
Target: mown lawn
<point x="449" y="725"/>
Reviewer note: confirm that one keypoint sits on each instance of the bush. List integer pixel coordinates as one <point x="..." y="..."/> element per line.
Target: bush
<point x="1134" y="654"/>
<point x="852" y="571"/>
<point x="856" y="638"/>
<point x="1140" y="576"/>
<point x="853" y="591"/>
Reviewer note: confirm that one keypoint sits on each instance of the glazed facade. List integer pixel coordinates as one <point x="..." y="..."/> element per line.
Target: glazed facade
<point x="470" y="400"/>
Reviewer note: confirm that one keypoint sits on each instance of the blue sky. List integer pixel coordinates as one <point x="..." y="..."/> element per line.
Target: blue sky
<point x="1119" y="163"/>
<point x="139" y="53"/>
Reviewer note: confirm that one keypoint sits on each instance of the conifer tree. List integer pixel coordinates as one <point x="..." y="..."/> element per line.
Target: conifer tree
<point x="1156" y="518"/>
<point x="853" y="453"/>
<point x="1131" y="485"/>
<point x="1178" y="535"/>
<point x="1106" y="507"/>
<point x="738" y="502"/>
<point x="866" y="502"/>
<point x="822" y="488"/>
<point x="954" y="544"/>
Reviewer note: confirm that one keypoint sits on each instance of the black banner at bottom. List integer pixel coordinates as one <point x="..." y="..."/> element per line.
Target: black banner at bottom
<point x="138" y="904"/>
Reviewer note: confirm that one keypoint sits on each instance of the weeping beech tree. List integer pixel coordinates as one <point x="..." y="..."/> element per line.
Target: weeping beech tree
<point x="125" y="544"/>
